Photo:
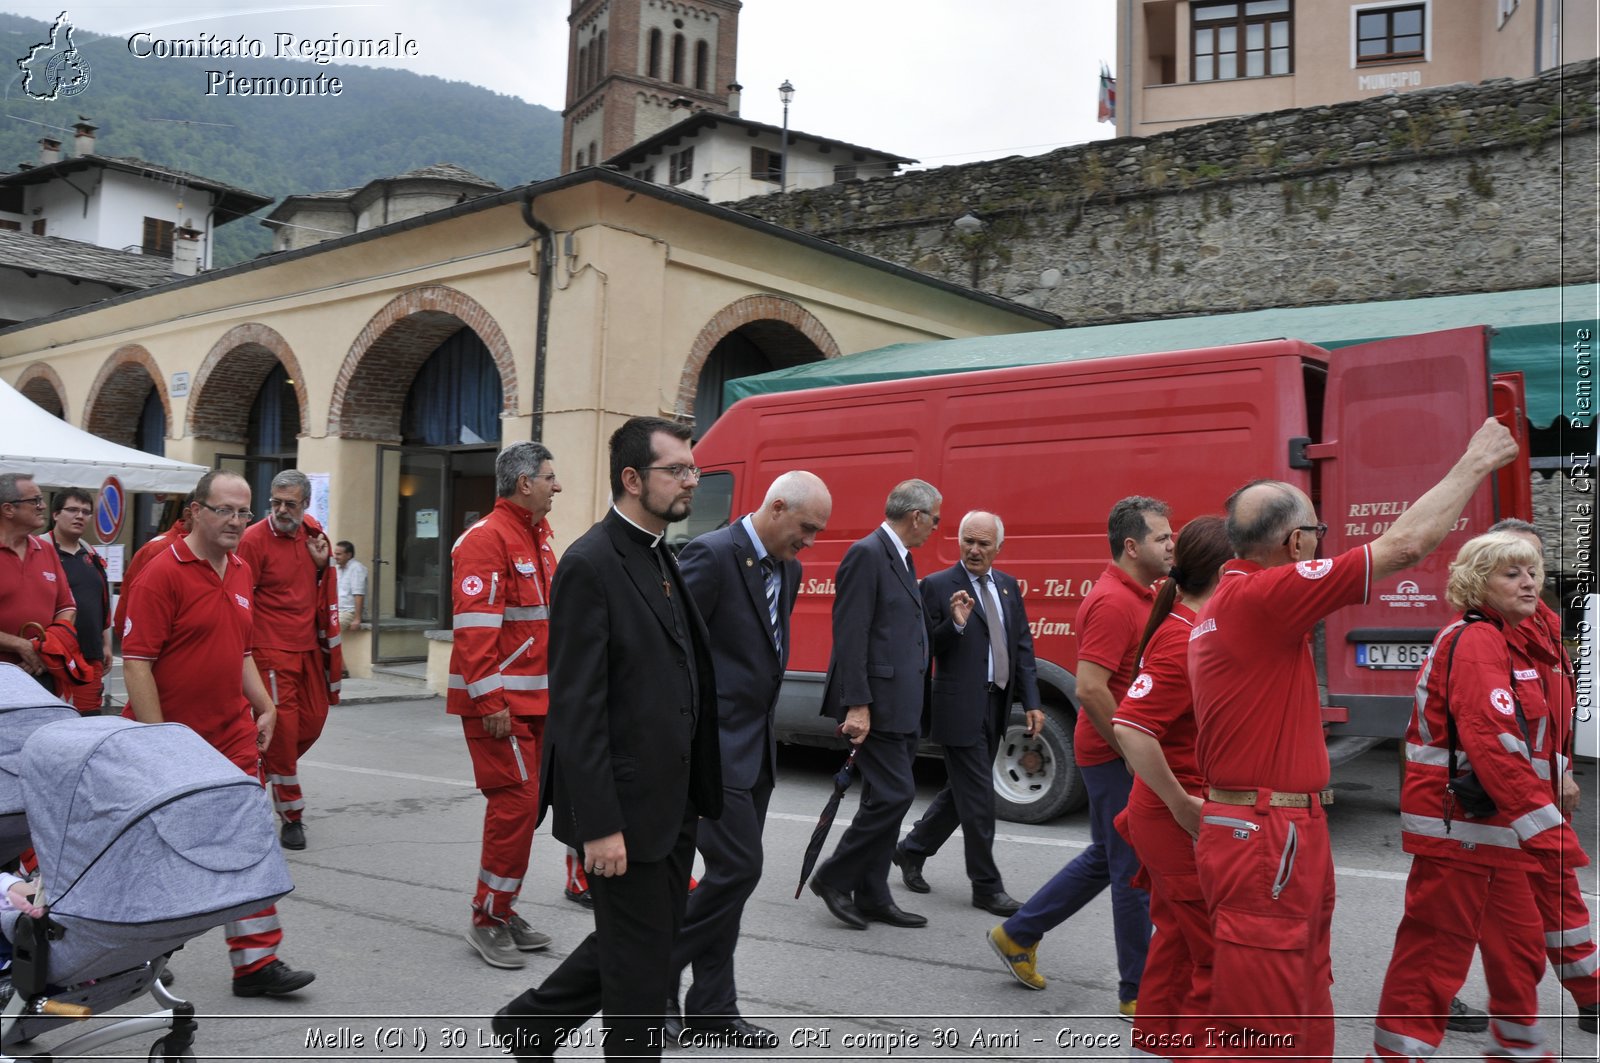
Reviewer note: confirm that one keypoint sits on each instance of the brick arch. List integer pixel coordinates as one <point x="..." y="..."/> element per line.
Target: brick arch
<point x="370" y="394"/>
<point x="119" y="392"/>
<point x="42" y="384"/>
<point x="752" y="310"/>
<point x="230" y="378"/>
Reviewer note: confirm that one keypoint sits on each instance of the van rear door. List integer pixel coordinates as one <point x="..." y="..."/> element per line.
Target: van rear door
<point x="1398" y="414"/>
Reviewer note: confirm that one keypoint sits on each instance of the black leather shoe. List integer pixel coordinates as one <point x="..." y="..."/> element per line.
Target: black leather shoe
<point x="911" y="871"/>
<point x="1000" y="903"/>
<point x="1589" y="1017"/>
<point x="672" y="1025"/>
<point x="840" y="905"/>
<point x="582" y="897"/>
<point x="734" y="1032"/>
<point x="893" y="914"/>
<point x="276" y="979"/>
<point x="294" y="834"/>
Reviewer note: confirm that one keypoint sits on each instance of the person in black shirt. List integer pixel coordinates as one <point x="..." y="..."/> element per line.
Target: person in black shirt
<point x="86" y="576"/>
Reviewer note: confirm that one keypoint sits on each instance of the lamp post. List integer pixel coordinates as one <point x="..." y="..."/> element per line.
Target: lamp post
<point x="785" y="93"/>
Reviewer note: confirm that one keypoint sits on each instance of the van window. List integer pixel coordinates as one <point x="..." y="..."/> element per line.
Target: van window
<point x="713" y="508"/>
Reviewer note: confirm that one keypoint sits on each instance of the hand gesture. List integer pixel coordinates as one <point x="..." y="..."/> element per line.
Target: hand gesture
<point x="961" y="607"/>
<point x="319" y="548"/>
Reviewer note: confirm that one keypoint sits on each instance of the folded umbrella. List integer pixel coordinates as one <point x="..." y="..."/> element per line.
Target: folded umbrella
<point x="819" y="833"/>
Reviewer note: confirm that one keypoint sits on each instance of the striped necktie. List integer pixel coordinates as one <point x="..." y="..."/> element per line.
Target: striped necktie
<point x="769" y="574"/>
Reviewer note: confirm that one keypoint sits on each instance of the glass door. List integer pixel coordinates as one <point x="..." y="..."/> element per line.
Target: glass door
<point x="411" y="555"/>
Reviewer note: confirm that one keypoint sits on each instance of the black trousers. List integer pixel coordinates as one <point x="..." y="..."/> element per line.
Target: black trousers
<point x="623" y="969"/>
<point x="860" y="864"/>
<point x="731" y="847"/>
<point x="968" y="800"/>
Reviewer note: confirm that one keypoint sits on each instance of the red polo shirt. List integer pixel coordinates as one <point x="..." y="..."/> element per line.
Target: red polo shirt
<point x="1159" y="703"/>
<point x="1110" y="622"/>
<point x="1254" y="681"/>
<point x="33" y="590"/>
<point x="195" y="630"/>
<point x="286" y="597"/>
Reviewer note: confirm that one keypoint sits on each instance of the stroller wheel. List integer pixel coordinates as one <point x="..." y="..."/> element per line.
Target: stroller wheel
<point x="161" y="1052"/>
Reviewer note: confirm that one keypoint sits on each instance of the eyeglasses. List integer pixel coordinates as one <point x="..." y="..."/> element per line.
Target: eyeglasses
<point x="77" y="511"/>
<point x="932" y="516"/>
<point x="1320" y="529"/>
<point x="37" y="501"/>
<point x="282" y="503"/>
<point x="228" y="513"/>
<point x="681" y="473"/>
<point x="550" y="475"/>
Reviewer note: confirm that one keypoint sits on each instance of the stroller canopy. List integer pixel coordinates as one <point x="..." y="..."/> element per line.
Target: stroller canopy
<point x="25" y="706"/>
<point x="146" y="837"/>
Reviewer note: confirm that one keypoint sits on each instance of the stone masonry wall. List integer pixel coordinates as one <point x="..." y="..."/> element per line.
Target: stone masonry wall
<point x="1463" y="188"/>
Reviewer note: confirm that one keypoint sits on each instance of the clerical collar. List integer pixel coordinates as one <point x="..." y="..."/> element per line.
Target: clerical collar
<point x="653" y="537"/>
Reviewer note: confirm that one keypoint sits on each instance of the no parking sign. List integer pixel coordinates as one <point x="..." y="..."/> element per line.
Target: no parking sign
<point x="109" y="510"/>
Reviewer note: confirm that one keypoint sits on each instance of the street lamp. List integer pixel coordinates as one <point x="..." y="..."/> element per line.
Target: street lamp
<point x="785" y="93"/>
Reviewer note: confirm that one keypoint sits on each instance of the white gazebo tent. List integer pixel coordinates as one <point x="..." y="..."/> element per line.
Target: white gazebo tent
<point x="36" y="442"/>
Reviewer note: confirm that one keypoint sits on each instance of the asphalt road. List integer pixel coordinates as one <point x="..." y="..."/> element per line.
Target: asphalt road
<point x="382" y="902"/>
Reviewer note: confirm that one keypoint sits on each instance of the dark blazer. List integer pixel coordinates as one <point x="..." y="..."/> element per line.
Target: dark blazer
<point x="724" y="575"/>
<point x="880" y="640"/>
<point x="961" y="660"/>
<point x="627" y="748"/>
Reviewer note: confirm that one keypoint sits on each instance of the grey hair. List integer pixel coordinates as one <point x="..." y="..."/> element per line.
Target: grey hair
<point x="1278" y="516"/>
<point x="1516" y="526"/>
<point x="909" y="496"/>
<point x="8" y="486"/>
<point x="522" y="458"/>
<point x="294" y="479"/>
<point x="795" y="487"/>
<point x="999" y="525"/>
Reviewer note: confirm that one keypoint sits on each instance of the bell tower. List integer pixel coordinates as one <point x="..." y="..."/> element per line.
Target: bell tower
<point x="635" y="67"/>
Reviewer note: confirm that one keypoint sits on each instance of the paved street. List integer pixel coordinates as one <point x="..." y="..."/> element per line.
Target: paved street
<point x="382" y="892"/>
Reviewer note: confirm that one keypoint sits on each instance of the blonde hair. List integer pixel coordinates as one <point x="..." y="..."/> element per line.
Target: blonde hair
<point x="1477" y="561"/>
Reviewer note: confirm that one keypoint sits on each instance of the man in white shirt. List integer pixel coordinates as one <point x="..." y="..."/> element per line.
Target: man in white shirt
<point x="352" y="585"/>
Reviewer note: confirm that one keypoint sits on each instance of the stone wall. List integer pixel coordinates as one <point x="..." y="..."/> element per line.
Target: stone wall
<point x="1458" y="189"/>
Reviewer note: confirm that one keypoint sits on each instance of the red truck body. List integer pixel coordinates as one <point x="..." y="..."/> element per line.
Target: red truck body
<point x="1050" y="448"/>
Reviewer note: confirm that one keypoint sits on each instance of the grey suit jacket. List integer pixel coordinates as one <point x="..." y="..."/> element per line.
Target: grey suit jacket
<point x="724" y="575"/>
<point x="880" y="639"/>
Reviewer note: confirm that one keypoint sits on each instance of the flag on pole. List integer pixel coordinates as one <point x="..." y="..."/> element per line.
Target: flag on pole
<point x="1108" y="95"/>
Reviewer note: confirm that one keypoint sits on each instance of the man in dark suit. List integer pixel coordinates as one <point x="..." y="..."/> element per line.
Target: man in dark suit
<point x="982" y="662"/>
<point x="877" y="682"/>
<point x="630" y="760"/>
<point x="744" y="578"/>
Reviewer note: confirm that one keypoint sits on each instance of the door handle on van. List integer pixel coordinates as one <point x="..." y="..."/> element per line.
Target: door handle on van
<point x="1302" y="452"/>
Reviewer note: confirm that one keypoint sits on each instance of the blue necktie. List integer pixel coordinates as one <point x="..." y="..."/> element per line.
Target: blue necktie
<point x="769" y="572"/>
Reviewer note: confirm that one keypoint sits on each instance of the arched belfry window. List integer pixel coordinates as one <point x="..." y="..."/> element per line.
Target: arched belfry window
<point x="653" y="55"/>
<point x="677" y="58"/>
<point x="702" y="61"/>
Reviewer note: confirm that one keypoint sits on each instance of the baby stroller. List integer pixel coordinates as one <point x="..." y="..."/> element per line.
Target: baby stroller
<point x="146" y="837"/>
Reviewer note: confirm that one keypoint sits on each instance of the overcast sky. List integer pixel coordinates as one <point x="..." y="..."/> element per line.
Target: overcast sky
<point x="922" y="78"/>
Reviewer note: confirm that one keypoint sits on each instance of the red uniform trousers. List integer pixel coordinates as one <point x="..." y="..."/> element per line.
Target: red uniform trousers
<point x="88" y="697"/>
<point x="1568" y="939"/>
<point x="1451" y="908"/>
<point x="253" y="941"/>
<point x="299" y="689"/>
<point x="507" y="771"/>
<point x="1267" y="874"/>
<point x="1175" y="992"/>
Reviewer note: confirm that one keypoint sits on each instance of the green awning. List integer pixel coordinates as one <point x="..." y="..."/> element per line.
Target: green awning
<point x="1535" y="331"/>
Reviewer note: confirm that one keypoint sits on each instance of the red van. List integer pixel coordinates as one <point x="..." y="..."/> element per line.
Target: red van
<point x="1364" y="430"/>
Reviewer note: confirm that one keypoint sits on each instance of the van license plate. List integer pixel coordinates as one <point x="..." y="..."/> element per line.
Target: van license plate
<point x="1391" y="654"/>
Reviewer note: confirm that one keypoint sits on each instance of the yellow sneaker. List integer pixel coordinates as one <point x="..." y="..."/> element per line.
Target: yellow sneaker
<point x="1127" y="1009"/>
<point x="1020" y="961"/>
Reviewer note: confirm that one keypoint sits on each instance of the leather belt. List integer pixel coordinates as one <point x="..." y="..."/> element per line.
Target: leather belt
<point x="1278" y="798"/>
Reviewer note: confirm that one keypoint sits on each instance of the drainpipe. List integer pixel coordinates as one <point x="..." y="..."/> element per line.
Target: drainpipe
<point x="541" y="335"/>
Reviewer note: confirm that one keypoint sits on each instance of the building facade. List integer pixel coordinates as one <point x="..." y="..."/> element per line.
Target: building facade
<point x="1186" y="62"/>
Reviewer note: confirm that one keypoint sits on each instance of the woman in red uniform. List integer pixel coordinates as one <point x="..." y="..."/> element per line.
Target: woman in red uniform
<point x="1155" y="725"/>
<point x="1478" y="826"/>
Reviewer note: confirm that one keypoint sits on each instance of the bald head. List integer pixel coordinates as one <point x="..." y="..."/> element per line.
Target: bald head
<point x="795" y="511"/>
<point x="1262" y="513"/>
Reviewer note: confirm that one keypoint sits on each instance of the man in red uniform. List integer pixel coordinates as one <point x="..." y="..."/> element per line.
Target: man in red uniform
<point x="499" y="685"/>
<point x="1262" y="751"/>
<point x="189" y="619"/>
<point x="33" y="588"/>
<point x="1110" y="622"/>
<point x="86" y="576"/>
<point x="288" y="555"/>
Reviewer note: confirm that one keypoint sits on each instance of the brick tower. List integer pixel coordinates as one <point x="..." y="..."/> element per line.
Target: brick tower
<point x="635" y="67"/>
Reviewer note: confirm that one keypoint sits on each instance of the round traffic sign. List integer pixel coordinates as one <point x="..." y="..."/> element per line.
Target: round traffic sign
<point x="109" y="510"/>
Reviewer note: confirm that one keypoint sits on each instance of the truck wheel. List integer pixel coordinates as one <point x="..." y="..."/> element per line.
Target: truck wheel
<point x="1036" y="779"/>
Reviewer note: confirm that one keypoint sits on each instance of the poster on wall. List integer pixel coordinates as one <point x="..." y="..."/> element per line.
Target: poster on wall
<point x="113" y="558"/>
<point x="319" y="496"/>
<point x="427" y="524"/>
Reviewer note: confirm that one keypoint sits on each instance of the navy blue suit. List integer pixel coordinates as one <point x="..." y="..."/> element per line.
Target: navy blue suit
<point x="725" y="577"/>
<point x="880" y="659"/>
<point x="968" y="718"/>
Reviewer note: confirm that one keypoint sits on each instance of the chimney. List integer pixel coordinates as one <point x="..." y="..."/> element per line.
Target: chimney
<point x="83" y="140"/>
<point x="733" y="98"/>
<point x="186" y="249"/>
<point x="49" y="151"/>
